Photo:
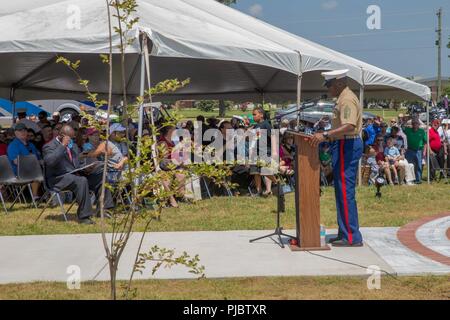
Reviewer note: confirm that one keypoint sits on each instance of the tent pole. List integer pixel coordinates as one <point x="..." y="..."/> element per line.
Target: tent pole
<point x="150" y="97"/>
<point x="141" y="106"/>
<point x="361" y="100"/>
<point x="428" y="143"/>
<point x="299" y="88"/>
<point x="12" y="98"/>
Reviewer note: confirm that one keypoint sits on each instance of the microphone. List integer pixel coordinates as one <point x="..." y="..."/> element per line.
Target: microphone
<point x="306" y="104"/>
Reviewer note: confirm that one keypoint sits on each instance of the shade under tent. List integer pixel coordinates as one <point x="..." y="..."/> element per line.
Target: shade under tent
<point x="224" y="52"/>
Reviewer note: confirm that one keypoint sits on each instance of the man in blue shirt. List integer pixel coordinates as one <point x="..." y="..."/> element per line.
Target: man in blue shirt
<point x="372" y="129"/>
<point x="20" y="146"/>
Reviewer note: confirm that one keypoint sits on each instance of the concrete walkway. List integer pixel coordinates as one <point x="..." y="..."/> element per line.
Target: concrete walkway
<point x="224" y="254"/>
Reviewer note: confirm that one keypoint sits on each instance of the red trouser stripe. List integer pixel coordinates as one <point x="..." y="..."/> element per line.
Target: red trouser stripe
<point x="344" y="192"/>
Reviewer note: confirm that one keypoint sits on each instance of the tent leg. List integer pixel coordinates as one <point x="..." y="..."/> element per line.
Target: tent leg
<point x="12" y="98"/>
<point x="141" y="107"/>
<point x="299" y="88"/>
<point x="299" y="99"/>
<point x="361" y="100"/>
<point x="428" y="144"/>
<point x="152" y="119"/>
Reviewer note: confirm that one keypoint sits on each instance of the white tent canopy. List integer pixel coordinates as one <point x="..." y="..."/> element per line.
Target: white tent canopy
<point x="227" y="54"/>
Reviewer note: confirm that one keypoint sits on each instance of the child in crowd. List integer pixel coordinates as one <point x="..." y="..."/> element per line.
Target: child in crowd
<point x="393" y="157"/>
<point x="384" y="165"/>
<point x="374" y="166"/>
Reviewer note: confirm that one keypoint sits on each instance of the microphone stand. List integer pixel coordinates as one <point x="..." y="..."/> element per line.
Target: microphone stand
<point x="299" y="111"/>
<point x="302" y="107"/>
<point x="281" y="208"/>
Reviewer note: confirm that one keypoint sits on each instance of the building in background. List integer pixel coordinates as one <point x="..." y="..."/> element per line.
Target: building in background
<point x="432" y="83"/>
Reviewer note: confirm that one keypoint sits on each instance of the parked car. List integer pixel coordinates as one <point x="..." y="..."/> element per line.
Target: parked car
<point x="67" y="109"/>
<point x="312" y="112"/>
<point x="435" y="113"/>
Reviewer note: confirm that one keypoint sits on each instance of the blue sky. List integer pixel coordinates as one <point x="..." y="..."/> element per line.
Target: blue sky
<point x="405" y="44"/>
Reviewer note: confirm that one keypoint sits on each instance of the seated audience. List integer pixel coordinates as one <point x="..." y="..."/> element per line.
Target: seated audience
<point x="20" y="146"/>
<point x="374" y="166"/>
<point x="286" y="156"/>
<point x="82" y="140"/>
<point x="372" y="129"/>
<point x="56" y="129"/>
<point x="384" y="165"/>
<point x="10" y="135"/>
<point x="47" y="135"/>
<point x="56" y="118"/>
<point x="3" y="144"/>
<point x="43" y="121"/>
<point x="115" y="149"/>
<point x="444" y="133"/>
<point x="393" y="157"/>
<point x="284" y="126"/>
<point x="29" y="124"/>
<point x="166" y="146"/>
<point x="61" y="157"/>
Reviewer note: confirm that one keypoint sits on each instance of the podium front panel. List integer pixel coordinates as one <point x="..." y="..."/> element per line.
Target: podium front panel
<point x="307" y="192"/>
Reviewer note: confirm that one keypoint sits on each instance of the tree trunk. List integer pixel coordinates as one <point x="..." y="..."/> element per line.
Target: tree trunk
<point x="113" y="274"/>
<point x="222" y="109"/>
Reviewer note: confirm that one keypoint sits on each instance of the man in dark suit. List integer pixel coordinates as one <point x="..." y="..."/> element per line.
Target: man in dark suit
<point x="61" y="156"/>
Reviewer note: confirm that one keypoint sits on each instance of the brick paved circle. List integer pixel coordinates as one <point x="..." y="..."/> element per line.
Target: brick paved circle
<point x="407" y="236"/>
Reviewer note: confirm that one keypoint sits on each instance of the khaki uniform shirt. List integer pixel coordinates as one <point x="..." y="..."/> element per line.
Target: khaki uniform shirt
<point x="347" y="111"/>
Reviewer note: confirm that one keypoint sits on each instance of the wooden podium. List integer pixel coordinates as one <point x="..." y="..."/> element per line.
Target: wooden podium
<point x="307" y="194"/>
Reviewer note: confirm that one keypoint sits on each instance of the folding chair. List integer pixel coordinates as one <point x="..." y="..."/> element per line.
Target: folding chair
<point x="3" y="202"/>
<point x="54" y="194"/>
<point x="439" y="172"/>
<point x="323" y="179"/>
<point x="250" y="187"/>
<point x="253" y="185"/>
<point x="29" y="169"/>
<point x="228" y="189"/>
<point x="8" y="178"/>
<point x="205" y="184"/>
<point x="118" y="193"/>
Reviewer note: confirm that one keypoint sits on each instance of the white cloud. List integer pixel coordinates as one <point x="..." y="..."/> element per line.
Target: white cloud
<point x="256" y="10"/>
<point x="330" y="5"/>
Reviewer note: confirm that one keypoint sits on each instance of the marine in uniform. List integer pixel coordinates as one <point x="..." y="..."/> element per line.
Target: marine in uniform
<point x="347" y="150"/>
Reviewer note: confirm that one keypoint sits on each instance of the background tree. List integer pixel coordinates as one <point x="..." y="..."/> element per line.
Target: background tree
<point x="206" y="105"/>
<point x="227" y="2"/>
<point x="448" y="45"/>
<point x="222" y="105"/>
<point x="446" y="91"/>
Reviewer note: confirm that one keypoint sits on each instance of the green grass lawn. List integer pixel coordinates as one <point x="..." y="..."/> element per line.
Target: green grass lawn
<point x="385" y="113"/>
<point x="398" y="206"/>
<point x="266" y="288"/>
